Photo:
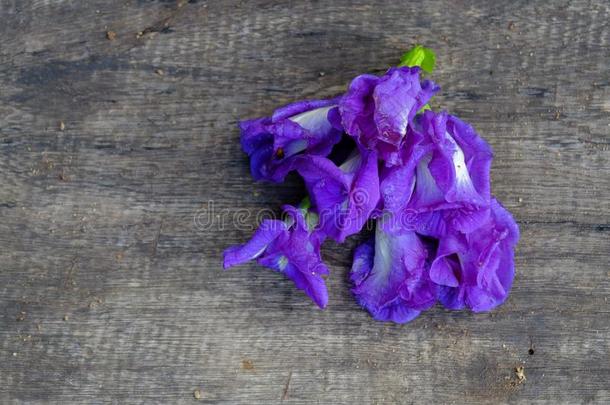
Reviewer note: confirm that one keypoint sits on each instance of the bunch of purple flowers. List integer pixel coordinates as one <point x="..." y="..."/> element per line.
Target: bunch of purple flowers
<point x="422" y="176"/>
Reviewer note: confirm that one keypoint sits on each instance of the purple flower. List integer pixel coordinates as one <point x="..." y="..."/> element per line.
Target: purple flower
<point x="444" y="183"/>
<point x="476" y="270"/>
<point x="423" y="176"/>
<point x="306" y="127"/>
<point x="377" y="111"/>
<point x="390" y="277"/>
<point x="345" y="196"/>
<point x="291" y="247"/>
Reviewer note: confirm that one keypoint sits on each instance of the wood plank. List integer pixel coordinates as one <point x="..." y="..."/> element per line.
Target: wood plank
<point x="111" y="290"/>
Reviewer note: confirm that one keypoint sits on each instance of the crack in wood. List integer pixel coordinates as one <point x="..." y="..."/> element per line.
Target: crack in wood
<point x="287" y="387"/>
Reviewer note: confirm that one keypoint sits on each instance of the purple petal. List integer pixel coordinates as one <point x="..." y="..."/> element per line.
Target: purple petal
<point x="398" y="182"/>
<point x="345" y="196"/>
<point x="305" y="127"/>
<point x="391" y="279"/>
<point x="362" y="265"/>
<point x="289" y="247"/>
<point x="398" y="96"/>
<point x="445" y="268"/>
<point x="478" y="154"/>
<point x="378" y="112"/>
<point x="268" y="231"/>
<point x="357" y="108"/>
<point x="445" y="196"/>
<point x="448" y="163"/>
<point x="427" y="195"/>
<point x="467" y="219"/>
<point x="394" y="310"/>
<point x="254" y="134"/>
<point x="310" y="282"/>
<point x="303" y="106"/>
<point x="328" y="188"/>
<point x="482" y="263"/>
<point x="364" y="194"/>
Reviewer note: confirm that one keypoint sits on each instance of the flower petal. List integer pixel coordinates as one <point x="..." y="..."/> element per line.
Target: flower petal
<point x="312" y="283"/>
<point x="398" y="96"/>
<point x="254" y="134"/>
<point x="394" y="310"/>
<point x="393" y="285"/>
<point x="268" y="232"/>
<point x="345" y="196"/>
<point x="291" y="110"/>
<point x="427" y="195"/>
<point x="397" y="182"/>
<point x="305" y="127"/>
<point x="289" y="247"/>
<point x="378" y="111"/>
<point x="482" y="263"/>
<point x="445" y="267"/>
<point x="444" y="197"/>
<point x="357" y="108"/>
<point x="478" y="154"/>
<point x="363" y="195"/>
<point x="447" y="165"/>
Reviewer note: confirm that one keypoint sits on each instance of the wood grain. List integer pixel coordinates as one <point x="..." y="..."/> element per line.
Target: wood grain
<point x="111" y="291"/>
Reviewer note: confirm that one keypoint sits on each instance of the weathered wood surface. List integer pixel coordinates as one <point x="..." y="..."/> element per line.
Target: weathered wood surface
<point x="112" y="292"/>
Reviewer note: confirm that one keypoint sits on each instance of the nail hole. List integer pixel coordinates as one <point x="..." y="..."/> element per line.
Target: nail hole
<point x="531" y="351"/>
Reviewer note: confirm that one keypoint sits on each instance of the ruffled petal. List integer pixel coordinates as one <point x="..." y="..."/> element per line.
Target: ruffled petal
<point x="448" y="163"/>
<point x="254" y="134"/>
<point x="478" y="155"/>
<point x="357" y="108"/>
<point x="397" y="183"/>
<point x="442" y="195"/>
<point x="290" y="247"/>
<point x="378" y="111"/>
<point x="344" y="197"/>
<point x="390" y="278"/>
<point x="363" y="195"/>
<point x="466" y="219"/>
<point x="305" y="127"/>
<point x="398" y="96"/>
<point x="394" y="310"/>
<point x="476" y="270"/>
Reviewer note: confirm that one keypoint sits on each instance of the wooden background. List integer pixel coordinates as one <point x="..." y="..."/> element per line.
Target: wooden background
<point x="111" y="289"/>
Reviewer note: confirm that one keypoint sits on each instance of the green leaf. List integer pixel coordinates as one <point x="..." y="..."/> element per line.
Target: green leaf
<point x="305" y="203"/>
<point x="311" y="219"/>
<point x="419" y="56"/>
<point x="424" y="108"/>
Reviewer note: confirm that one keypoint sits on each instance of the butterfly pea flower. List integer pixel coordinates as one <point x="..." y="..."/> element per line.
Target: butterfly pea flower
<point x="422" y="176"/>
<point x="377" y="111"/>
<point x="290" y="247"/>
<point x="344" y="196"/>
<point x="476" y="270"/>
<point x="308" y="127"/>
<point x="390" y="277"/>
<point x="445" y="182"/>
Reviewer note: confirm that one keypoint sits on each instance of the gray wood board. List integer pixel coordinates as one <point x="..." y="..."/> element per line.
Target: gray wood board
<point x="111" y="289"/>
